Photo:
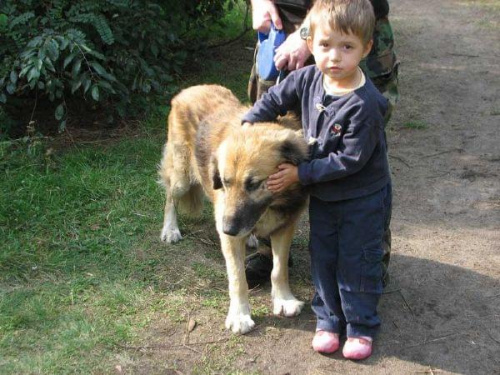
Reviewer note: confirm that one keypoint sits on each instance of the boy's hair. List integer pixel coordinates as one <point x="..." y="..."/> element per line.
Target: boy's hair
<point x="347" y="16"/>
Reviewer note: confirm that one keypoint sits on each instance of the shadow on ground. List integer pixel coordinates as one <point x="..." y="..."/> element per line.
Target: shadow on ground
<point x="436" y="318"/>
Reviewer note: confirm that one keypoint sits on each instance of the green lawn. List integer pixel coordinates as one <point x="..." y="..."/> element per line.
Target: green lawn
<point x="82" y="270"/>
<point x="73" y="280"/>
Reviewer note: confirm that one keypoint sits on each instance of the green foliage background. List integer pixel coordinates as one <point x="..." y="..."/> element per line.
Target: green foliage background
<point x="106" y="52"/>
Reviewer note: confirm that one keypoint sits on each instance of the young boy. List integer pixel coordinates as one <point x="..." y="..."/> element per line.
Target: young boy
<point x="343" y="120"/>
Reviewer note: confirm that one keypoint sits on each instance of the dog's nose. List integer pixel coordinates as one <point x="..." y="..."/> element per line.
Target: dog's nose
<point x="230" y="227"/>
<point x="230" y="230"/>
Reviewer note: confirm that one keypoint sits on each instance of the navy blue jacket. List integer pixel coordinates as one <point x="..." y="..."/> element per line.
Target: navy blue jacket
<point x="348" y="153"/>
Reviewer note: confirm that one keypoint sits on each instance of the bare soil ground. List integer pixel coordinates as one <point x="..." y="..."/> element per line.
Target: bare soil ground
<point x="441" y="311"/>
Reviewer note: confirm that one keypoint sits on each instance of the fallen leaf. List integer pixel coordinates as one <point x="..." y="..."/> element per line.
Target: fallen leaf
<point x="191" y="325"/>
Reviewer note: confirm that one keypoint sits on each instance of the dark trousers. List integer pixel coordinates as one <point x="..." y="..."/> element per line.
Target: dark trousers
<point x="346" y="261"/>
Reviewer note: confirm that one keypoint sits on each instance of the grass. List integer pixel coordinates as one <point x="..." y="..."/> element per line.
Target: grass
<point x="70" y="262"/>
<point x="417" y="125"/>
<point x="82" y="271"/>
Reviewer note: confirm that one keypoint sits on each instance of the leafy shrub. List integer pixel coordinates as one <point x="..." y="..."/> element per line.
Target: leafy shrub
<point x="100" y="51"/>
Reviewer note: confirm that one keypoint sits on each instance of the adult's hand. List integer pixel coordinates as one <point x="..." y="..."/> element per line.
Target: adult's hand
<point x="293" y="53"/>
<point x="263" y="13"/>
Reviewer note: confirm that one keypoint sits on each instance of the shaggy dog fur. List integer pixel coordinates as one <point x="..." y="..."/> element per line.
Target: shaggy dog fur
<point x="208" y="151"/>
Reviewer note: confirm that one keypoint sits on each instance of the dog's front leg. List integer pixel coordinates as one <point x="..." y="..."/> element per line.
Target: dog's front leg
<point x="238" y="318"/>
<point x="284" y="301"/>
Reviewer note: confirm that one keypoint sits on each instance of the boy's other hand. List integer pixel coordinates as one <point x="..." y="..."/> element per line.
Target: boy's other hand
<point x="286" y="176"/>
<point x="263" y="13"/>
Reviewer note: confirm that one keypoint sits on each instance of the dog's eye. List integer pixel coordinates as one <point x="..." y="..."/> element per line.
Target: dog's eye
<point x="252" y="185"/>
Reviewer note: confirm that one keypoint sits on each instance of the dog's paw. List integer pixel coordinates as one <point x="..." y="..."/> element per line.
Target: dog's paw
<point x="170" y="235"/>
<point x="287" y="307"/>
<point x="239" y="323"/>
<point x="252" y="241"/>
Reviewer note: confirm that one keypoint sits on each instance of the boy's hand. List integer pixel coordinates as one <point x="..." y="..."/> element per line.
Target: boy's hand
<point x="287" y="175"/>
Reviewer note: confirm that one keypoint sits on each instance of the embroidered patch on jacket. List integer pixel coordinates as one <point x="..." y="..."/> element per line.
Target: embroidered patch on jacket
<point x="336" y="129"/>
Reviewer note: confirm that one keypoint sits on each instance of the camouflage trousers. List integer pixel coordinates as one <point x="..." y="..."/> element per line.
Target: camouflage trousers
<point x="381" y="66"/>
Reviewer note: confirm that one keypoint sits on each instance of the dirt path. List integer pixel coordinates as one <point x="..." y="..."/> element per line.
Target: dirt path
<point x="441" y="312"/>
<point x="442" y="309"/>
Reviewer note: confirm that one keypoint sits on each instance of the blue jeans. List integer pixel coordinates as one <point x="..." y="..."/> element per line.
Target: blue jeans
<point x="346" y="261"/>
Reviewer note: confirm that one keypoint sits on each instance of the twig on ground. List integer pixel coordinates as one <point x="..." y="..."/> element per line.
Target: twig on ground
<point x="489" y="334"/>
<point x="192" y="233"/>
<point x="256" y="288"/>
<point x="192" y="349"/>
<point x="207" y="241"/>
<point x="172" y="347"/>
<point x="397" y="327"/>
<point x="219" y="289"/>
<point x="463" y="55"/>
<point x="406" y="303"/>
<point x="491" y="337"/>
<point x="425" y="342"/>
<point x="441" y="153"/>
<point x="141" y="215"/>
<point x="399" y="158"/>
<point x="391" y="291"/>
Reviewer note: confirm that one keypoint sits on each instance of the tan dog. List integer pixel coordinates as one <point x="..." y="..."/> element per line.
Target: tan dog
<point x="208" y="150"/>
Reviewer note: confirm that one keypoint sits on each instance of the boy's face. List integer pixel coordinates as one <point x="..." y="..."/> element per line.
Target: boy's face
<point x="337" y="55"/>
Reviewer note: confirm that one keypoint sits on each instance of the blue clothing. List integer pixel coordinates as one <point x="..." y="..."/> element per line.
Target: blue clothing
<point x="348" y="153"/>
<point x="346" y="254"/>
<point x="348" y="174"/>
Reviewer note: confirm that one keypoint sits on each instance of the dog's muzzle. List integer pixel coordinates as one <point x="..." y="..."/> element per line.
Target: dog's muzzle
<point x="241" y="221"/>
<point x="234" y="227"/>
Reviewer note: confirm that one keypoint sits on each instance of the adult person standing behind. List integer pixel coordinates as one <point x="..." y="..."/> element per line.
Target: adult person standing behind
<point x="381" y="66"/>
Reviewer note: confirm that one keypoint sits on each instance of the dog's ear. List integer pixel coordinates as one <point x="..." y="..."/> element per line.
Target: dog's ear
<point x="214" y="173"/>
<point x="291" y="152"/>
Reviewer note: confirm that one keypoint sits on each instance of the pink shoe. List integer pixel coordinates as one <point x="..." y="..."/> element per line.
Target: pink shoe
<point x="357" y="347"/>
<point x="325" y="342"/>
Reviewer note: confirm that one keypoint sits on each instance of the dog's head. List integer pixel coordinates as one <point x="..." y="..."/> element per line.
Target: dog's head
<point x="240" y="167"/>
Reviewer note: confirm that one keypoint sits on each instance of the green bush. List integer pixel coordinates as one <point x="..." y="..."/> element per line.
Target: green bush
<point x="99" y="51"/>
